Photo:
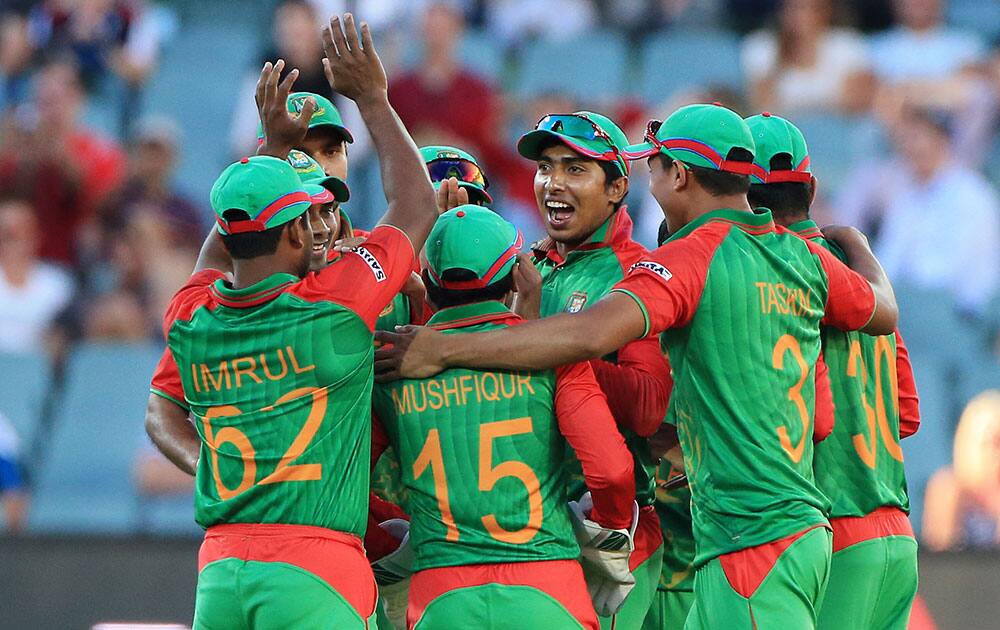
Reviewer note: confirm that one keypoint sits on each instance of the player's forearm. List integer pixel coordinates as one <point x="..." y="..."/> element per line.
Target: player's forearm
<point x="861" y="259"/>
<point x="173" y="434"/>
<point x="213" y="254"/>
<point x="407" y="186"/>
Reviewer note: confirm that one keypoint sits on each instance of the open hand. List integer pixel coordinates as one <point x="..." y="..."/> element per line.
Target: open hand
<point x="410" y="352"/>
<point x="450" y="195"/>
<point x="351" y="65"/>
<point x="282" y="130"/>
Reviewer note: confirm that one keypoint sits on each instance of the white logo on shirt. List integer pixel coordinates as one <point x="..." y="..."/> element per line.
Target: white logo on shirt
<point x="656" y="268"/>
<point x="372" y="263"/>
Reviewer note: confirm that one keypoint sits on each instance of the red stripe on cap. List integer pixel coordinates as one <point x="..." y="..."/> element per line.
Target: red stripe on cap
<point x="282" y="202"/>
<point x="779" y="177"/>
<point x="239" y="227"/>
<point x="713" y="156"/>
<point x="324" y="197"/>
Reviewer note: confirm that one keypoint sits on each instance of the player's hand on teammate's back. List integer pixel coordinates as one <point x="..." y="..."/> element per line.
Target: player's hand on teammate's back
<point x="528" y="288"/>
<point x="844" y="235"/>
<point x="604" y="554"/>
<point x="450" y="195"/>
<point x="282" y="129"/>
<point x="410" y="352"/>
<point x="352" y="66"/>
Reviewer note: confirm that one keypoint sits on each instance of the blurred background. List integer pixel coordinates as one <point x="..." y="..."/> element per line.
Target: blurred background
<point x="117" y="115"/>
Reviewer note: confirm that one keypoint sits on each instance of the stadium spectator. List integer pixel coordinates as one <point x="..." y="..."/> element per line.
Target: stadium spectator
<point x="514" y="21"/>
<point x="296" y="39"/>
<point x="962" y="502"/>
<point x="65" y="169"/>
<point x="805" y="64"/>
<point x="13" y="491"/>
<point x="937" y="221"/>
<point x="149" y="184"/>
<point x="32" y="292"/>
<point x="15" y="57"/>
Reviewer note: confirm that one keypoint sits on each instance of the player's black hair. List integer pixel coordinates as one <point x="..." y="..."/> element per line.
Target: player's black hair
<point x="612" y="173"/>
<point x="443" y="298"/>
<point x="252" y="244"/>
<point x="785" y="200"/>
<point x="662" y="233"/>
<point x="720" y="183"/>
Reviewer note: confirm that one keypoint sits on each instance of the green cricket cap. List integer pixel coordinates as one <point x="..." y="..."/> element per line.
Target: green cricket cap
<point x="316" y="181"/>
<point x="264" y="187"/>
<point x="326" y="114"/>
<point x="699" y="135"/>
<point x="474" y="238"/>
<point x="444" y="162"/>
<point x="772" y="136"/>
<point x="590" y="134"/>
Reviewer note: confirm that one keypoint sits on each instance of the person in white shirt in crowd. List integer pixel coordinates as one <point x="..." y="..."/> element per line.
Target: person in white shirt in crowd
<point x="32" y="292"/>
<point x="806" y="64"/>
<point x="937" y="222"/>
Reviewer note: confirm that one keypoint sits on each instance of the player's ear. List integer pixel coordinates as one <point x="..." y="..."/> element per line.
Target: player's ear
<point x="619" y="188"/>
<point x="681" y="175"/>
<point x="812" y="189"/>
<point x="296" y="231"/>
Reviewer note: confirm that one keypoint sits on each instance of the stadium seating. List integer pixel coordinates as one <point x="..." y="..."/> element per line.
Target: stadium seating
<point x="678" y="59"/>
<point x="837" y="144"/>
<point x="24" y="393"/>
<point x="85" y="483"/>
<point x="982" y="16"/>
<point x="590" y="68"/>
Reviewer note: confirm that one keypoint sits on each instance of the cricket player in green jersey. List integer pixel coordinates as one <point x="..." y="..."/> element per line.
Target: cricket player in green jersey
<point x="275" y="366"/>
<point x="742" y="302"/>
<point x="580" y="183"/>
<point x="483" y="457"/>
<point x="873" y="574"/>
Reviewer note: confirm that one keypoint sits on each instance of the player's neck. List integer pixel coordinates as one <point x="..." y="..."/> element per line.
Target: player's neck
<point x="249" y="272"/>
<point x="705" y="203"/>
<point x="789" y="219"/>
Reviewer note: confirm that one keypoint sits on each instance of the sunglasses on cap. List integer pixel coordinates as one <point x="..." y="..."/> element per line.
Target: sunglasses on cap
<point x="462" y="170"/>
<point x="582" y="127"/>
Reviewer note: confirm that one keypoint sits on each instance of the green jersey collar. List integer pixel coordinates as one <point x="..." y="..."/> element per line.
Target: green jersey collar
<point x="253" y="295"/>
<point x="469" y="315"/>
<point x="617" y="229"/>
<point x="806" y="229"/>
<point x="754" y="223"/>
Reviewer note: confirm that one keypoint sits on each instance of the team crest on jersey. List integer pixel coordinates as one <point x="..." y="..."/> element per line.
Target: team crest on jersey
<point x="576" y="302"/>
<point x="372" y="263"/>
<point x="656" y="268"/>
<point x="299" y="101"/>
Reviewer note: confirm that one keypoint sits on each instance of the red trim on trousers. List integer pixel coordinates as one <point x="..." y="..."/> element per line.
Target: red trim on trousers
<point x="648" y="537"/>
<point x="746" y="569"/>
<point x="560" y="579"/>
<point x="335" y="557"/>
<point x="884" y="521"/>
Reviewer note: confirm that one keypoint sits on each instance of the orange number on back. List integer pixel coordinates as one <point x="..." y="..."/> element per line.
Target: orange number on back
<point x="788" y="343"/>
<point x="430" y="455"/>
<point x="878" y="418"/>
<point x="283" y="471"/>
<point x="489" y="475"/>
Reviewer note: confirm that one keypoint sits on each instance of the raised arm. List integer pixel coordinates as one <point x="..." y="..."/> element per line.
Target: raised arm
<point x="861" y="259"/>
<point x="542" y="344"/>
<point x="353" y="69"/>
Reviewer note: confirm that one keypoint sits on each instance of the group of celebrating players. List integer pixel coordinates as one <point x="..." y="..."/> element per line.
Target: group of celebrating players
<point x="588" y="434"/>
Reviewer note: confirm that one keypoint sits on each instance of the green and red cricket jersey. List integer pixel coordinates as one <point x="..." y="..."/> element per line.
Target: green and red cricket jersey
<point x="741" y="302"/>
<point x="636" y="379"/>
<point x="483" y="455"/>
<point x="278" y="377"/>
<point x="860" y="466"/>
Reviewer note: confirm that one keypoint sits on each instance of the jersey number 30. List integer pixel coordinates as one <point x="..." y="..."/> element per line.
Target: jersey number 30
<point x="431" y="457"/>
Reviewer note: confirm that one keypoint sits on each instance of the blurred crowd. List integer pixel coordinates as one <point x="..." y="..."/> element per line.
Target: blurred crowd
<point x="96" y="233"/>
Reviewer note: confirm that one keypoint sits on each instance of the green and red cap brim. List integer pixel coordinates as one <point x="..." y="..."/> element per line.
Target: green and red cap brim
<point x="606" y="146"/>
<point x="311" y="173"/>
<point x="772" y="136"/>
<point x="700" y="135"/>
<point x="265" y="188"/>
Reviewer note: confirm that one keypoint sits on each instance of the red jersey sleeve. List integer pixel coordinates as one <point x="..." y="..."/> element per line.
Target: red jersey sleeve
<point x="637" y="386"/>
<point x="586" y="423"/>
<point x="365" y="279"/>
<point x="824" y="410"/>
<point x="909" y="401"/>
<point x="668" y="282"/>
<point x="167" y="380"/>
<point x="189" y="297"/>
<point x="850" y="299"/>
